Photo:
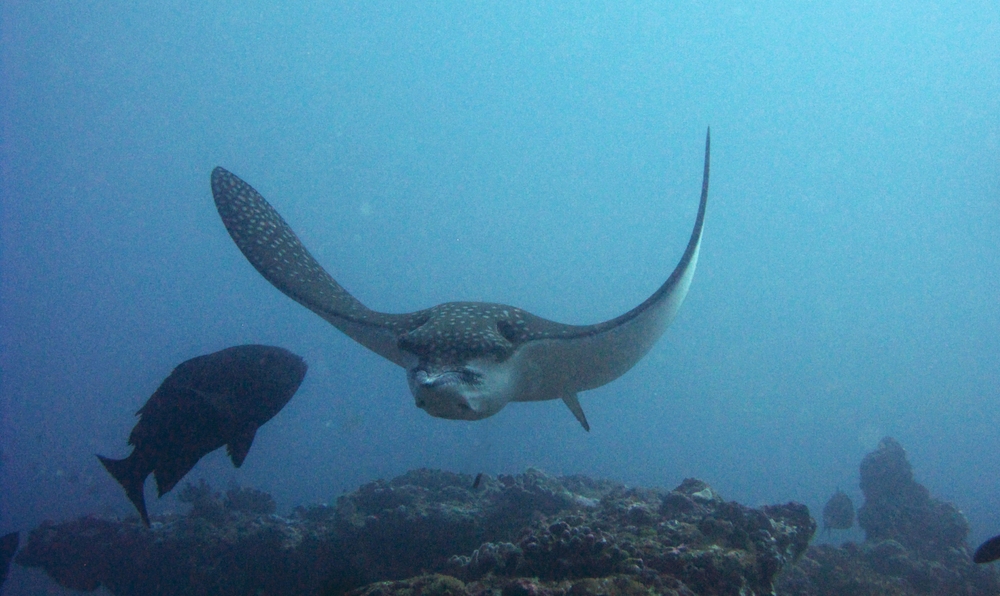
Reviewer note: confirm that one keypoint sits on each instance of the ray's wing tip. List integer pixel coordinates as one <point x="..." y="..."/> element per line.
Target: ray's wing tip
<point x="704" y="179"/>
<point x="218" y="174"/>
<point x="224" y="183"/>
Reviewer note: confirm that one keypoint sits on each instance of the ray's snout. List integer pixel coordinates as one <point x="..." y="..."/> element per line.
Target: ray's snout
<point x="443" y="393"/>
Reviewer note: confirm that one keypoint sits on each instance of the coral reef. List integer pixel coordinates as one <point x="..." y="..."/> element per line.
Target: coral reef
<point x="249" y="500"/>
<point x="914" y="544"/>
<point x="686" y="541"/>
<point x="431" y="532"/>
<point x="438" y="533"/>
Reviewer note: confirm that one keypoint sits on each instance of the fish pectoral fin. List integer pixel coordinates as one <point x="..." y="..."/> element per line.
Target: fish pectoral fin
<point x="220" y="402"/>
<point x="240" y="446"/>
<point x="574" y="406"/>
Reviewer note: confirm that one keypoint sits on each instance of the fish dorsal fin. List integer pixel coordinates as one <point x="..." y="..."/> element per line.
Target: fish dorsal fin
<point x="573" y="403"/>
<point x="240" y="445"/>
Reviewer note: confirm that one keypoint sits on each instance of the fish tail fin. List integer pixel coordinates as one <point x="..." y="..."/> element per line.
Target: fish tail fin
<point x="131" y="474"/>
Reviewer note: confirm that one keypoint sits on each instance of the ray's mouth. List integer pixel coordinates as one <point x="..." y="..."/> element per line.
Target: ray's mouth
<point x="452" y="377"/>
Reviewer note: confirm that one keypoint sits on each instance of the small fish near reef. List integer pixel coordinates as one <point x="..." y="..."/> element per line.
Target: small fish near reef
<point x="207" y="402"/>
<point x="838" y="513"/>
<point x="988" y="551"/>
<point x="8" y="546"/>
<point x="463" y="360"/>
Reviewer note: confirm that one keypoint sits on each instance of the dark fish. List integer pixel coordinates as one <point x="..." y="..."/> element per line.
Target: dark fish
<point x="988" y="551"/>
<point x="8" y="546"/>
<point x="206" y="402"/>
<point x="475" y="483"/>
<point x="838" y="514"/>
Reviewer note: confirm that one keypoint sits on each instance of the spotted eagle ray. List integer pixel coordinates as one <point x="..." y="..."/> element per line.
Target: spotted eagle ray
<point x="463" y="360"/>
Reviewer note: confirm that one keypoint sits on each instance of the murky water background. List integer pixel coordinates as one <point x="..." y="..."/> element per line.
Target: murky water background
<point x="545" y="156"/>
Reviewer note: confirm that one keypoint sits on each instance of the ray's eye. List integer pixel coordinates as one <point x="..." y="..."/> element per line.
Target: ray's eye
<point x="508" y="330"/>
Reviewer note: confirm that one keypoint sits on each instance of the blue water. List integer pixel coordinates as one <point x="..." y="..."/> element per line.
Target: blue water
<point x="547" y="157"/>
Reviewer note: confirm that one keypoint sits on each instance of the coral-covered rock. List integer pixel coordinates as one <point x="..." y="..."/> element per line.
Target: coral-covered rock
<point x="179" y="555"/>
<point x="524" y="534"/>
<point x="250" y="500"/>
<point x="686" y="540"/>
<point x="914" y="545"/>
<point x="884" y="568"/>
<point x="898" y="508"/>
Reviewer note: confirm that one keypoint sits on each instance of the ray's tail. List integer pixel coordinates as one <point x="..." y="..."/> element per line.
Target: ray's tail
<point x="131" y="473"/>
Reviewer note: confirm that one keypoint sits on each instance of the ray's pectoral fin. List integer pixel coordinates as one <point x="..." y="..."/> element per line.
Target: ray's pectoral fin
<point x="276" y="252"/>
<point x="567" y="359"/>
<point x="573" y="403"/>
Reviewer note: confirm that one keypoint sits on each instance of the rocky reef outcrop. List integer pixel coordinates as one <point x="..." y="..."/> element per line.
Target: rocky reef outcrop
<point x="899" y="508"/>
<point x="432" y="532"/>
<point x="914" y="544"/>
